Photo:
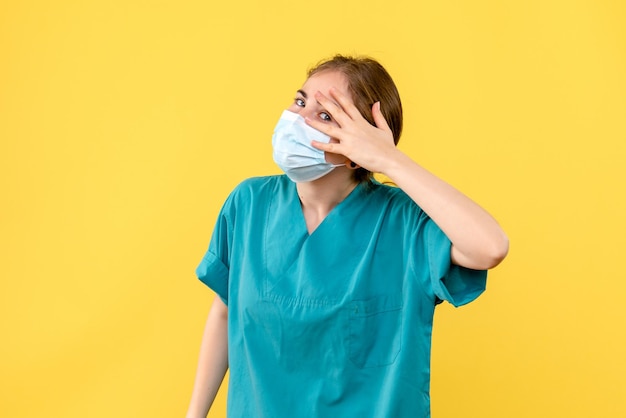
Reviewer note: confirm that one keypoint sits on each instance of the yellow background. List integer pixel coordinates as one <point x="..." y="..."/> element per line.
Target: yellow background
<point x="124" y="124"/>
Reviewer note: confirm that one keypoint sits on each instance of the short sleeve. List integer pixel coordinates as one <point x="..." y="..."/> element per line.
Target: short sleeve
<point x="214" y="267"/>
<point x="455" y="284"/>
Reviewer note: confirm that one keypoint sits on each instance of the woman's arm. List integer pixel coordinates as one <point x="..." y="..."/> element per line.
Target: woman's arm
<point x="213" y="361"/>
<point x="478" y="242"/>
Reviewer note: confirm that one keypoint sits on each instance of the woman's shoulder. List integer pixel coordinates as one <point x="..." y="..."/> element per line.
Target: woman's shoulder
<point x="393" y="199"/>
<point x="389" y="193"/>
<point x="262" y="183"/>
<point x="259" y="186"/>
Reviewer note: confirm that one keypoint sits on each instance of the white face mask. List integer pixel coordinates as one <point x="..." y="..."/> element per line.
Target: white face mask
<point x="293" y="151"/>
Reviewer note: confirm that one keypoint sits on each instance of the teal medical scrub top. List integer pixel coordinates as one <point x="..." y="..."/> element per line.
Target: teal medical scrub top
<point x="336" y="323"/>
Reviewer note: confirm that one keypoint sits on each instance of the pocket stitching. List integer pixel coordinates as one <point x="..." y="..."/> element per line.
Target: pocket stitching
<point x="393" y="306"/>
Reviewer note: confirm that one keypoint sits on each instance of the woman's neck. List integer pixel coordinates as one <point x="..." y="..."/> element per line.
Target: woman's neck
<point x="320" y="196"/>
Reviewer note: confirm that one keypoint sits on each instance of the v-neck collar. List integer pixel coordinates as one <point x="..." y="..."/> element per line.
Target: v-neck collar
<point x="296" y="207"/>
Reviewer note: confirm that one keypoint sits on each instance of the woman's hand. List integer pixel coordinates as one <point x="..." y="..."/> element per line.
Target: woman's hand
<point x="478" y="242"/>
<point x="370" y="147"/>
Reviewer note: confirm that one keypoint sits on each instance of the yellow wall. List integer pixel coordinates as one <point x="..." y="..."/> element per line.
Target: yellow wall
<point x="124" y="124"/>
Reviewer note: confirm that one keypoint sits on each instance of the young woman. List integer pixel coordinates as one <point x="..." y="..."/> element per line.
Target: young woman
<point x="327" y="280"/>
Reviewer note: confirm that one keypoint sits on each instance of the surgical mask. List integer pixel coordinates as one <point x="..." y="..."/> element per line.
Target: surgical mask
<point x="293" y="151"/>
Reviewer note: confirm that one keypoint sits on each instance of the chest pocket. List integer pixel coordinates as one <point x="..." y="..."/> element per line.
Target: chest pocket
<point x="375" y="331"/>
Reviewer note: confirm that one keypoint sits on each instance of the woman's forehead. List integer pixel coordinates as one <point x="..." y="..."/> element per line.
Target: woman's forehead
<point x="323" y="81"/>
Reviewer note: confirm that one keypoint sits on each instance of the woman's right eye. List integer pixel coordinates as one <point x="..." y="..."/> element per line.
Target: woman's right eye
<point x="299" y="102"/>
<point x="325" y="117"/>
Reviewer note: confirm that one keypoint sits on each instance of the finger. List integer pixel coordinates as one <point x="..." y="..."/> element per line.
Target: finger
<point x="325" y="128"/>
<point x="335" y="110"/>
<point x="346" y="104"/>
<point x="379" y="119"/>
<point x="332" y="147"/>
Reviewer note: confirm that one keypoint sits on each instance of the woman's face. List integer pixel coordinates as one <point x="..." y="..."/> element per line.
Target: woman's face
<point x="305" y="104"/>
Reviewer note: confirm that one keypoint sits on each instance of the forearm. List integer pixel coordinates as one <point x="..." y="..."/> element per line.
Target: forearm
<point x="478" y="242"/>
<point x="212" y="362"/>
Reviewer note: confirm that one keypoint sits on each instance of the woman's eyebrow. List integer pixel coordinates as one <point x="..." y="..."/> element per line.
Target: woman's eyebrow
<point x="303" y="94"/>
